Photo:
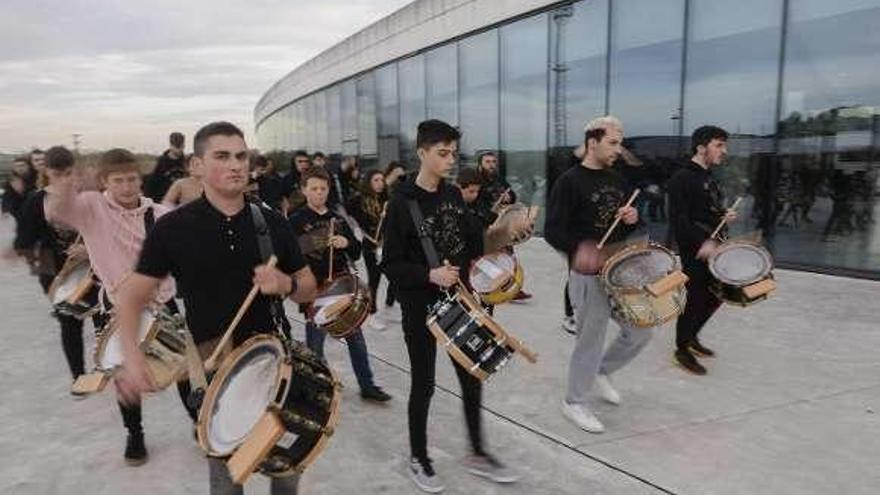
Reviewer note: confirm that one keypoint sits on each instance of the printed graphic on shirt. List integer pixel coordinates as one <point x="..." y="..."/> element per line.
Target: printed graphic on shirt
<point x="713" y="193"/>
<point x="608" y="199"/>
<point x="313" y="241"/>
<point x="444" y="228"/>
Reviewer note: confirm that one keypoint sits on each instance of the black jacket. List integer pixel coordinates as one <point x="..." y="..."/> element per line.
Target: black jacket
<point x="455" y="237"/>
<point x="168" y="169"/>
<point x="695" y="208"/>
<point x="304" y="220"/>
<point x="39" y="241"/>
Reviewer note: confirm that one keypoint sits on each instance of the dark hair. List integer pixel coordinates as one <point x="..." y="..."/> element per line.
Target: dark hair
<point x="318" y="154"/>
<point x="59" y="158"/>
<point x="484" y="155"/>
<point x="260" y="161"/>
<point x="704" y="135"/>
<point x="597" y="134"/>
<point x="469" y="176"/>
<point x="297" y="154"/>
<point x="176" y="139"/>
<point x="213" y="129"/>
<point x="393" y="165"/>
<point x="315" y="173"/>
<point x="433" y="131"/>
<point x="37" y="151"/>
<point x="117" y="160"/>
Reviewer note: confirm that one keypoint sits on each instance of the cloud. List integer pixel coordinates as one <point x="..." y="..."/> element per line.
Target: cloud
<point x="126" y="73"/>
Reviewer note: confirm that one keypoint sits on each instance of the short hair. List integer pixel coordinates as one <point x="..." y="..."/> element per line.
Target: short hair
<point x="220" y="128"/>
<point x="315" y="173"/>
<point x="176" y="139"/>
<point x="37" y="151"/>
<point x="704" y="135"/>
<point x="469" y="176"/>
<point x="484" y="155"/>
<point x="433" y="131"/>
<point x="117" y="160"/>
<point x="59" y="158"/>
<point x="392" y="165"/>
<point x="598" y="127"/>
<point x="319" y="154"/>
<point x="260" y="161"/>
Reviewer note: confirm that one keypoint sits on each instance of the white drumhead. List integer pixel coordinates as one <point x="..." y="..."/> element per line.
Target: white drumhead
<point x="111" y="357"/>
<point x="65" y="288"/>
<point x="243" y="397"/>
<point x="641" y="267"/>
<point x="489" y="268"/>
<point x="740" y="264"/>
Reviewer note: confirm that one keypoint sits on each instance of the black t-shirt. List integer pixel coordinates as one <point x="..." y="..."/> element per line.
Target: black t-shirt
<point x="306" y="222"/>
<point x="695" y="207"/>
<point x="271" y="189"/>
<point x="583" y="205"/>
<point x="212" y="259"/>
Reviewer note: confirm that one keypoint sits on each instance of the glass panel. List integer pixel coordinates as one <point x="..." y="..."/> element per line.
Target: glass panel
<point x="366" y="104"/>
<point x="334" y="120"/>
<point x="411" y="79"/>
<point x="524" y="107"/>
<point x="478" y="75"/>
<point x="298" y="127"/>
<point x="830" y="132"/>
<point x="320" y="103"/>
<point x="349" y="111"/>
<point x="388" y="113"/>
<point x="442" y="72"/>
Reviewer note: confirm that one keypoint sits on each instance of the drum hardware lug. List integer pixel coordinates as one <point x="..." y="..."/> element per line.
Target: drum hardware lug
<point x="294" y="419"/>
<point x="195" y="398"/>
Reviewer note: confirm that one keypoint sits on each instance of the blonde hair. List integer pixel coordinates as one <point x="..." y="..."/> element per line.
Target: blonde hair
<point x="605" y="122"/>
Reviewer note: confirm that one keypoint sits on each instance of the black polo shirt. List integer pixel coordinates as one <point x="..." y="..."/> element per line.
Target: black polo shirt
<point x="212" y="258"/>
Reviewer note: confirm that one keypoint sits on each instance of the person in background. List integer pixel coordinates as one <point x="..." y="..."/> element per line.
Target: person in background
<point x="185" y="189"/>
<point x="169" y="167"/>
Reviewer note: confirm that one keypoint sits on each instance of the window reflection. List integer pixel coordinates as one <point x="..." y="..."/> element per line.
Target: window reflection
<point x="411" y="85"/>
<point x="478" y="66"/>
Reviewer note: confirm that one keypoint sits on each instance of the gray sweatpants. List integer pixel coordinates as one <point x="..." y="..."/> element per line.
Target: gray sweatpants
<point x="589" y="357"/>
<point x="221" y="483"/>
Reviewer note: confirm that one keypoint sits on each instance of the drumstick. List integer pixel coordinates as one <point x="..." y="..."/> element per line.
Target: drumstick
<point x="211" y="361"/>
<point x="330" y="241"/>
<point x="500" y="198"/>
<point x="617" y="220"/>
<point x="724" y="219"/>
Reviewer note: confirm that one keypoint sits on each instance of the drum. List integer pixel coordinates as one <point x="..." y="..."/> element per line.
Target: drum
<point x="265" y="379"/>
<point x="645" y="285"/>
<point x="161" y="340"/>
<point x="342" y="306"/>
<point x="74" y="291"/>
<point x="497" y="278"/>
<point x="473" y="339"/>
<point x="743" y="273"/>
<point x="514" y="225"/>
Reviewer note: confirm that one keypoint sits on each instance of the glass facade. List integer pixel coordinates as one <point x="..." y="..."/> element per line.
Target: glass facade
<point x="796" y="86"/>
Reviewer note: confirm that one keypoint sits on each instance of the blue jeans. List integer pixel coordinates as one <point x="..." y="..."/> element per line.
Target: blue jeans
<point x="357" y="352"/>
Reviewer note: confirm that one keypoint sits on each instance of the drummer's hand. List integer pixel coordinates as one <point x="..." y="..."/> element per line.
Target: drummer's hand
<point x="505" y="198"/>
<point x="730" y="216"/>
<point x="338" y="242"/>
<point x="445" y="276"/>
<point x="628" y="214"/>
<point x="588" y="260"/>
<point x="707" y="249"/>
<point x="271" y="280"/>
<point x="134" y="379"/>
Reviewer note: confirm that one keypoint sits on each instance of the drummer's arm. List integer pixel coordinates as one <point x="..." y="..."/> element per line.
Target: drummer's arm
<point x="406" y="274"/>
<point x="305" y="287"/>
<point x="557" y="225"/>
<point x="65" y="204"/>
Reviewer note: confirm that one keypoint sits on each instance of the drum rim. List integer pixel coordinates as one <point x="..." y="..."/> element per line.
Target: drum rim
<point x="628" y="251"/>
<point x="748" y="245"/>
<point x="361" y="288"/>
<point x="110" y="330"/>
<point x="220" y="377"/>
<point x="516" y="264"/>
<point x="71" y="265"/>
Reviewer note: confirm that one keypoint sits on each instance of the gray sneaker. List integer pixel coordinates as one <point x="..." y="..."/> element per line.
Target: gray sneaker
<point x="423" y="475"/>
<point x="489" y="467"/>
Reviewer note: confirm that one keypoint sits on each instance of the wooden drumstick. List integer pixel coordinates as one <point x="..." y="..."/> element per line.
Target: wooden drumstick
<point x="500" y="199"/>
<point x="617" y="220"/>
<point x="330" y="242"/>
<point x="724" y="219"/>
<point x="211" y="362"/>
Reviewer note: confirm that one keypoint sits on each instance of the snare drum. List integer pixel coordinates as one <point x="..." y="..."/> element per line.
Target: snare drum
<point x="497" y="278"/>
<point x="473" y="339"/>
<point x="514" y="225"/>
<point x="161" y="340"/>
<point x="645" y="285"/>
<point x="74" y="291"/>
<point x="264" y="378"/>
<point x="743" y="273"/>
<point x="342" y="306"/>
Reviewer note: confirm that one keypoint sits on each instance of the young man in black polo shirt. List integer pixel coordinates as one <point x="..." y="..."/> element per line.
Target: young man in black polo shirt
<point x="210" y="247"/>
<point x="419" y="286"/>
<point x="695" y="208"/>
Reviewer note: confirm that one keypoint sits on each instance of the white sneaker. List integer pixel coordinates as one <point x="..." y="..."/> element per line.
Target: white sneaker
<point x="491" y="468"/>
<point x="568" y="324"/>
<point x="392" y="314"/>
<point x="582" y="417"/>
<point x="606" y="390"/>
<point x="424" y="477"/>
<point x="375" y="322"/>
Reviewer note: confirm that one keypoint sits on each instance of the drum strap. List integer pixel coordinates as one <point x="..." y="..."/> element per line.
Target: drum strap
<point x="427" y="244"/>
<point x="264" y="245"/>
<point x="149" y="220"/>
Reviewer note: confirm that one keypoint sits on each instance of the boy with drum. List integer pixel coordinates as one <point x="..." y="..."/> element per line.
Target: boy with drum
<point x="315" y="218"/>
<point x="585" y="202"/>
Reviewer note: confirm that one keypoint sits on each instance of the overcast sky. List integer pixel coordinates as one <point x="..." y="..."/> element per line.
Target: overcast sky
<point x="127" y="73"/>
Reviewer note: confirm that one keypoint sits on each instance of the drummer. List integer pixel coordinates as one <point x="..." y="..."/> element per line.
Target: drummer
<point x="210" y="246"/>
<point x="584" y="203"/>
<point x="696" y="207"/>
<point x="316" y="215"/>
<point x="113" y="225"/>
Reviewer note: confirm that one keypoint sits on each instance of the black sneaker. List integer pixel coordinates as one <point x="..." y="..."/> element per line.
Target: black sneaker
<point x="135" y="450"/>
<point x="686" y="360"/>
<point x="375" y="394"/>
<point x="700" y="350"/>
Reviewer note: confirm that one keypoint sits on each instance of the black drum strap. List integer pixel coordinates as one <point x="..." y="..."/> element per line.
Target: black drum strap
<point x="427" y="243"/>
<point x="149" y="220"/>
<point x="264" y="245"/>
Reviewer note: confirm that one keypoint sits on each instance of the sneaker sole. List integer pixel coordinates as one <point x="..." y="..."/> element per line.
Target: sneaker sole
<point x="136" y="462"/>
<point x="496" y="479"/>
<point x="594" y="431"/>
<point x="695" y="373"/>
<point x="425" y="488"/>
<point x="701" y="354"/>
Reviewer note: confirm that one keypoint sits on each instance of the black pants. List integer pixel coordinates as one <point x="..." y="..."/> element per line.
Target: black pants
<point x="374" y="274"/>
<point x="422" y="349"/>
<point x="71" y="334"/>
<point x="701" y="303"/>
<point x="569" y="309"/>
